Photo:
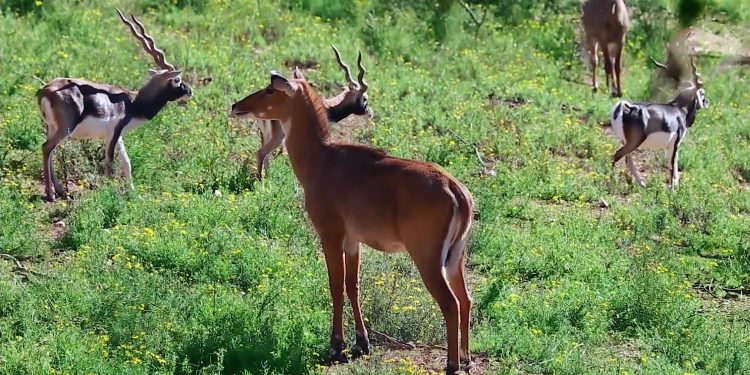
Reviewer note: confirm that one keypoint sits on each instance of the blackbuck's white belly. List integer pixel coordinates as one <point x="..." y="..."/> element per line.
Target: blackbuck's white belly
<point x="659" y="140"/>
<point x="95" y="127"/>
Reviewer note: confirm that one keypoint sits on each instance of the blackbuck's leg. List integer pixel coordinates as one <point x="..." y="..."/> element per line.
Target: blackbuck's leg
<point x="634" y="171"/>
<point x="633" y="141"/>
<point x="272" y="135"/>
<point x="431" y="271"/>
<point x="674" y="173"/>
<point x="47" y="149"/>
<point x="125" y="167"/>
<point x="334" y="254"/>
<point x="362" y="344"/>
<point x="455" y="273"/>
<point x="618" y="67"/>
<point x="593" y="61"/>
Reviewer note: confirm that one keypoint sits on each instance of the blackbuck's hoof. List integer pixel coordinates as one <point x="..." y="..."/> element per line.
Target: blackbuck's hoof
<point x="48" y="198"/>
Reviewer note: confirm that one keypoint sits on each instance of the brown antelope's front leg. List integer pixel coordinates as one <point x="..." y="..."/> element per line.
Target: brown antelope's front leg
<point x="352" y="255"/>
<point x="594" y="61"/>
<point x="334" y="254"/>
<point x="608" y="68"/>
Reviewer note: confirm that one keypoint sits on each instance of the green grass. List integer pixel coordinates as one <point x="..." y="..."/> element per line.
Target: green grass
<point x="180" y="279"/>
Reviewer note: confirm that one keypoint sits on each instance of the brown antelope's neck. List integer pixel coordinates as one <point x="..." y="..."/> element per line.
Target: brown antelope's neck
<point x="308" y="135"/>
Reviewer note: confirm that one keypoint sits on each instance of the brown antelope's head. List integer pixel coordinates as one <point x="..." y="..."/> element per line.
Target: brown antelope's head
<point x="270" y="103"/>
<point x="165" y="82"/>
<point x="354" y="96"/>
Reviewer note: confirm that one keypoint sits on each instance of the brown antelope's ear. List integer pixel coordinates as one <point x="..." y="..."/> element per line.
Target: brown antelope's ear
<point x="297" y="74"/>
<point x="280" y="83"/>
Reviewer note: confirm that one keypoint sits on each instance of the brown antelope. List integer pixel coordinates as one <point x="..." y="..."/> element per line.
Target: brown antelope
<point x="82" y="109"/>
<point x="351" y="101"/>
<point x="605" y="24"/>
<point x="356" y="194"/>
<point x="657" y="126"/>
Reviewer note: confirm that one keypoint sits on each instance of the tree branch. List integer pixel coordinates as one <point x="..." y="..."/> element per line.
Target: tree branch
<point x="18" y="267"/>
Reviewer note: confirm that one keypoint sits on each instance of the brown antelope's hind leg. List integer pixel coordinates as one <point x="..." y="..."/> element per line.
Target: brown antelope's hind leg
<point x="634" y="171"/>
<point x="352" y="256"/>
<point x="608" y="67"/>
<point x="434" y="279"/>
<point x="461" y="291"/>
<point x="618" y="68"/>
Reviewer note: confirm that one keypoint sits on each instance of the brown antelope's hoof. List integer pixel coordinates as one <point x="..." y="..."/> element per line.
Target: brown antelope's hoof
<point x="360" y="348"/>
<point x="336" y="353"/>
<point x="336" y="358"/>
<point x="451" y="370"/>
<point x="48" y="198"/>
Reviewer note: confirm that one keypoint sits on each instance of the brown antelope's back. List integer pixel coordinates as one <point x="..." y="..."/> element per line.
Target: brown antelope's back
<point x="605" y="20"/>
<point x="389" y="202"/>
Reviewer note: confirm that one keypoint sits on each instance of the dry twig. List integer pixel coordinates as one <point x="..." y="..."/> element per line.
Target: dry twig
<point x="18" y="267"/>
<point x="404" y="345"/>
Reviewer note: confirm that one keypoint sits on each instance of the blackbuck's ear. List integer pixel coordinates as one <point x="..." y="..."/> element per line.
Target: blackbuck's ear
<point x="297" y="74"/>
<point x="172" y="73"/>
<point x="280" y="83"/>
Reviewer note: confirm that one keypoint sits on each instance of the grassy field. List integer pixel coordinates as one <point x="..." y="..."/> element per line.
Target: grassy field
<point x="206" y="270"/>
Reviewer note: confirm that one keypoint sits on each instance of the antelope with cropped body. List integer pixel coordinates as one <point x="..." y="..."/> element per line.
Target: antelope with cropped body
<point x="356" y="194"/>
<point x="76" y="108"/>
<point x="658" y="126"/>
<point x="605" y="25"/>
<point x="351" y="101"/>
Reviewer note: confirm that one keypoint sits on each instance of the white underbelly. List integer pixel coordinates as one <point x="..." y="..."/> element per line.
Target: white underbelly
<point x="94" y="127"/>
<point x="659" y="140"/>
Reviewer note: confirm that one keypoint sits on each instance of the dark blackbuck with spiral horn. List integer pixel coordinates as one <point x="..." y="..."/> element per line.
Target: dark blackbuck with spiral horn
<point x="658" y="126"/>
<point x="76" y="108"/>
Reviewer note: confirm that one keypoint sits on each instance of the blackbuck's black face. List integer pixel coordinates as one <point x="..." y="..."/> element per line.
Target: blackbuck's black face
<point x="701" y="99"/>
<point x="359" y="104"/>
<point x="171" y="85"/>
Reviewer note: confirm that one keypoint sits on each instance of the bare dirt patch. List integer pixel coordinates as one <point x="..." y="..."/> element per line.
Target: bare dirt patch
<point x="387" y="360"/>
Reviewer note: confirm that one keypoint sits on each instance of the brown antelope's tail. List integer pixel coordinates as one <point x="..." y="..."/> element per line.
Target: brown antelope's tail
<point x="463" y="216"/>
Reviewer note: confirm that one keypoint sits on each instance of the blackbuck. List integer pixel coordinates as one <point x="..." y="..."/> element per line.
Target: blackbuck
<point x="351" y="101"/>
<point x="605" y="25"/>
<point x="658" y="126"/>
<point x="82" y="109"/>
<point x="356" y="194"/>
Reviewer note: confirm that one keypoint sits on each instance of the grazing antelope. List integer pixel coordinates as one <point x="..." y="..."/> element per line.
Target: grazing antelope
<point x="356" y="194"/>
<point x="658" y="126"/>
<point x="351" y="101"/>
<point x="82" y="109"/>
<point x="605" y="24"/>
